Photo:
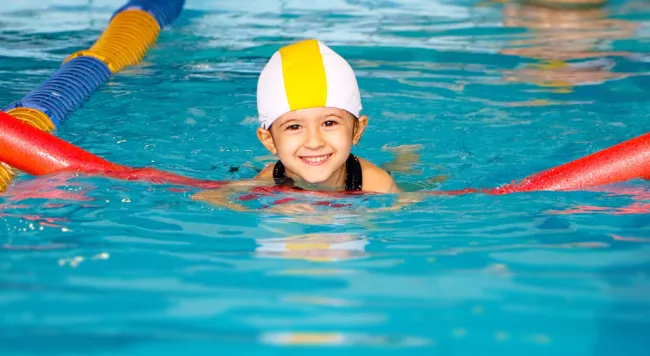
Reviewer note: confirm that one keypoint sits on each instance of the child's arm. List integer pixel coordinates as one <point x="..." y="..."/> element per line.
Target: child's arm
<point x="222" y="196"/>
<point x="377" y="180"/>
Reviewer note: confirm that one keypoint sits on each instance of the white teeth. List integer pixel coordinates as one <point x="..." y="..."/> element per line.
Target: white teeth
<point x="315" y="159"/>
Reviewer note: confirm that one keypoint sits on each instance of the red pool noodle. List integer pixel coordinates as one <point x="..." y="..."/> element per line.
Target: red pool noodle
<point x="157" y="176"/>
<point x="36" y="152"/>
<point x="621" y="162"/>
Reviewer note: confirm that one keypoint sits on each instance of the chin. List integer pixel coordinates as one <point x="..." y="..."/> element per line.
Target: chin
<point x="315" y="180"/>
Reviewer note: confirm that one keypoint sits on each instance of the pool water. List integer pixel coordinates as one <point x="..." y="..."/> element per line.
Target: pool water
<point x="459" y="94"/>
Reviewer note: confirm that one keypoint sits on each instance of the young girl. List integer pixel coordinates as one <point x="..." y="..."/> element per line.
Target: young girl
<point x="309" y="108"/>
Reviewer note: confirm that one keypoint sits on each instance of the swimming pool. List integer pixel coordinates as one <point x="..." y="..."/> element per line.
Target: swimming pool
<point x="462" y="90"/>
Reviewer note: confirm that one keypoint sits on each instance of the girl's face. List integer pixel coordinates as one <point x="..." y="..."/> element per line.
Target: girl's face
<point x="313" y="144"/>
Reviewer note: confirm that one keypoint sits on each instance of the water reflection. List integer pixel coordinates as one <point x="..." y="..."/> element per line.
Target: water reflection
<point x="640" y="197"/>
<point x="59" y="187"/>
<point x="573" y="45"/>
<point x="301" y="338"/>
<point x="16" y="209"/>
<point x="316" y="247"/>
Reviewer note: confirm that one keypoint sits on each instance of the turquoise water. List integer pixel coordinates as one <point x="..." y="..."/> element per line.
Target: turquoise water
<point x="99" y="266"/>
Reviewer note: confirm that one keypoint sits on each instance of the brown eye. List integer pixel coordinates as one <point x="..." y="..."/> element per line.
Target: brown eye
<point x="329" y="123"/>
<point x="293" y="127"/>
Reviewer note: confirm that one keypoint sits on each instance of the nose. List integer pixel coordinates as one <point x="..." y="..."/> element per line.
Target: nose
<point x="314" y="140"/>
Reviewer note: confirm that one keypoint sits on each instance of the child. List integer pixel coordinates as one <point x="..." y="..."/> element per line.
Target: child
<point x="309" y="103"/>
<point x="309" y="108"/>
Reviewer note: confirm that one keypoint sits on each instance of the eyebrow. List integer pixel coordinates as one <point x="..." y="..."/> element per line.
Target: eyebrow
<point x="298" y="119"/>
<point x="288" y="122"/>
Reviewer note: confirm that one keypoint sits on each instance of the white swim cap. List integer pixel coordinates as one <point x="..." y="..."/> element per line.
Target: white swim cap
<point x="304" y="75"/>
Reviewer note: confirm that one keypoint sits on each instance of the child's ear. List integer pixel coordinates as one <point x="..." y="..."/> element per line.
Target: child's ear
<point x="359" y="127"/>
<point x="266" y="139"/>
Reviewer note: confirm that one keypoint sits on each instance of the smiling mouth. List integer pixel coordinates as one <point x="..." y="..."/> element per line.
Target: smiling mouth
<point x="315" y="160"/>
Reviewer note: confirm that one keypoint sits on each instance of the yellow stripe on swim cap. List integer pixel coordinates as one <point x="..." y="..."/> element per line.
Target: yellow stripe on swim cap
<point x="304" y="75"/>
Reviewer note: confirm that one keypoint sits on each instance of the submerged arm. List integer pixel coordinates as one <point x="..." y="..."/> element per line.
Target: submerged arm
<point x="222" y="197"/>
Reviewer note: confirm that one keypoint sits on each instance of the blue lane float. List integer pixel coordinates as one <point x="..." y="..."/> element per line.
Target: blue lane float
<point x="132" y="30"/>
<point x="67" y="89"/>
<point x="165" y="12"/>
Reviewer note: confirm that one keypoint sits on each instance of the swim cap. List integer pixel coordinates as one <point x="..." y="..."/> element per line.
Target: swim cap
<point x="304" y="75"/>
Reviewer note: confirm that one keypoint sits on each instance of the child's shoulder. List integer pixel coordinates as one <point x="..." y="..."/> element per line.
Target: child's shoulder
<point x="375" y="179"/>
<point x="266" y="173"/>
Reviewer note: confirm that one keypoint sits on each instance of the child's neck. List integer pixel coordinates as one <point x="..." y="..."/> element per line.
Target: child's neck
<point x="336" y="182"/>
